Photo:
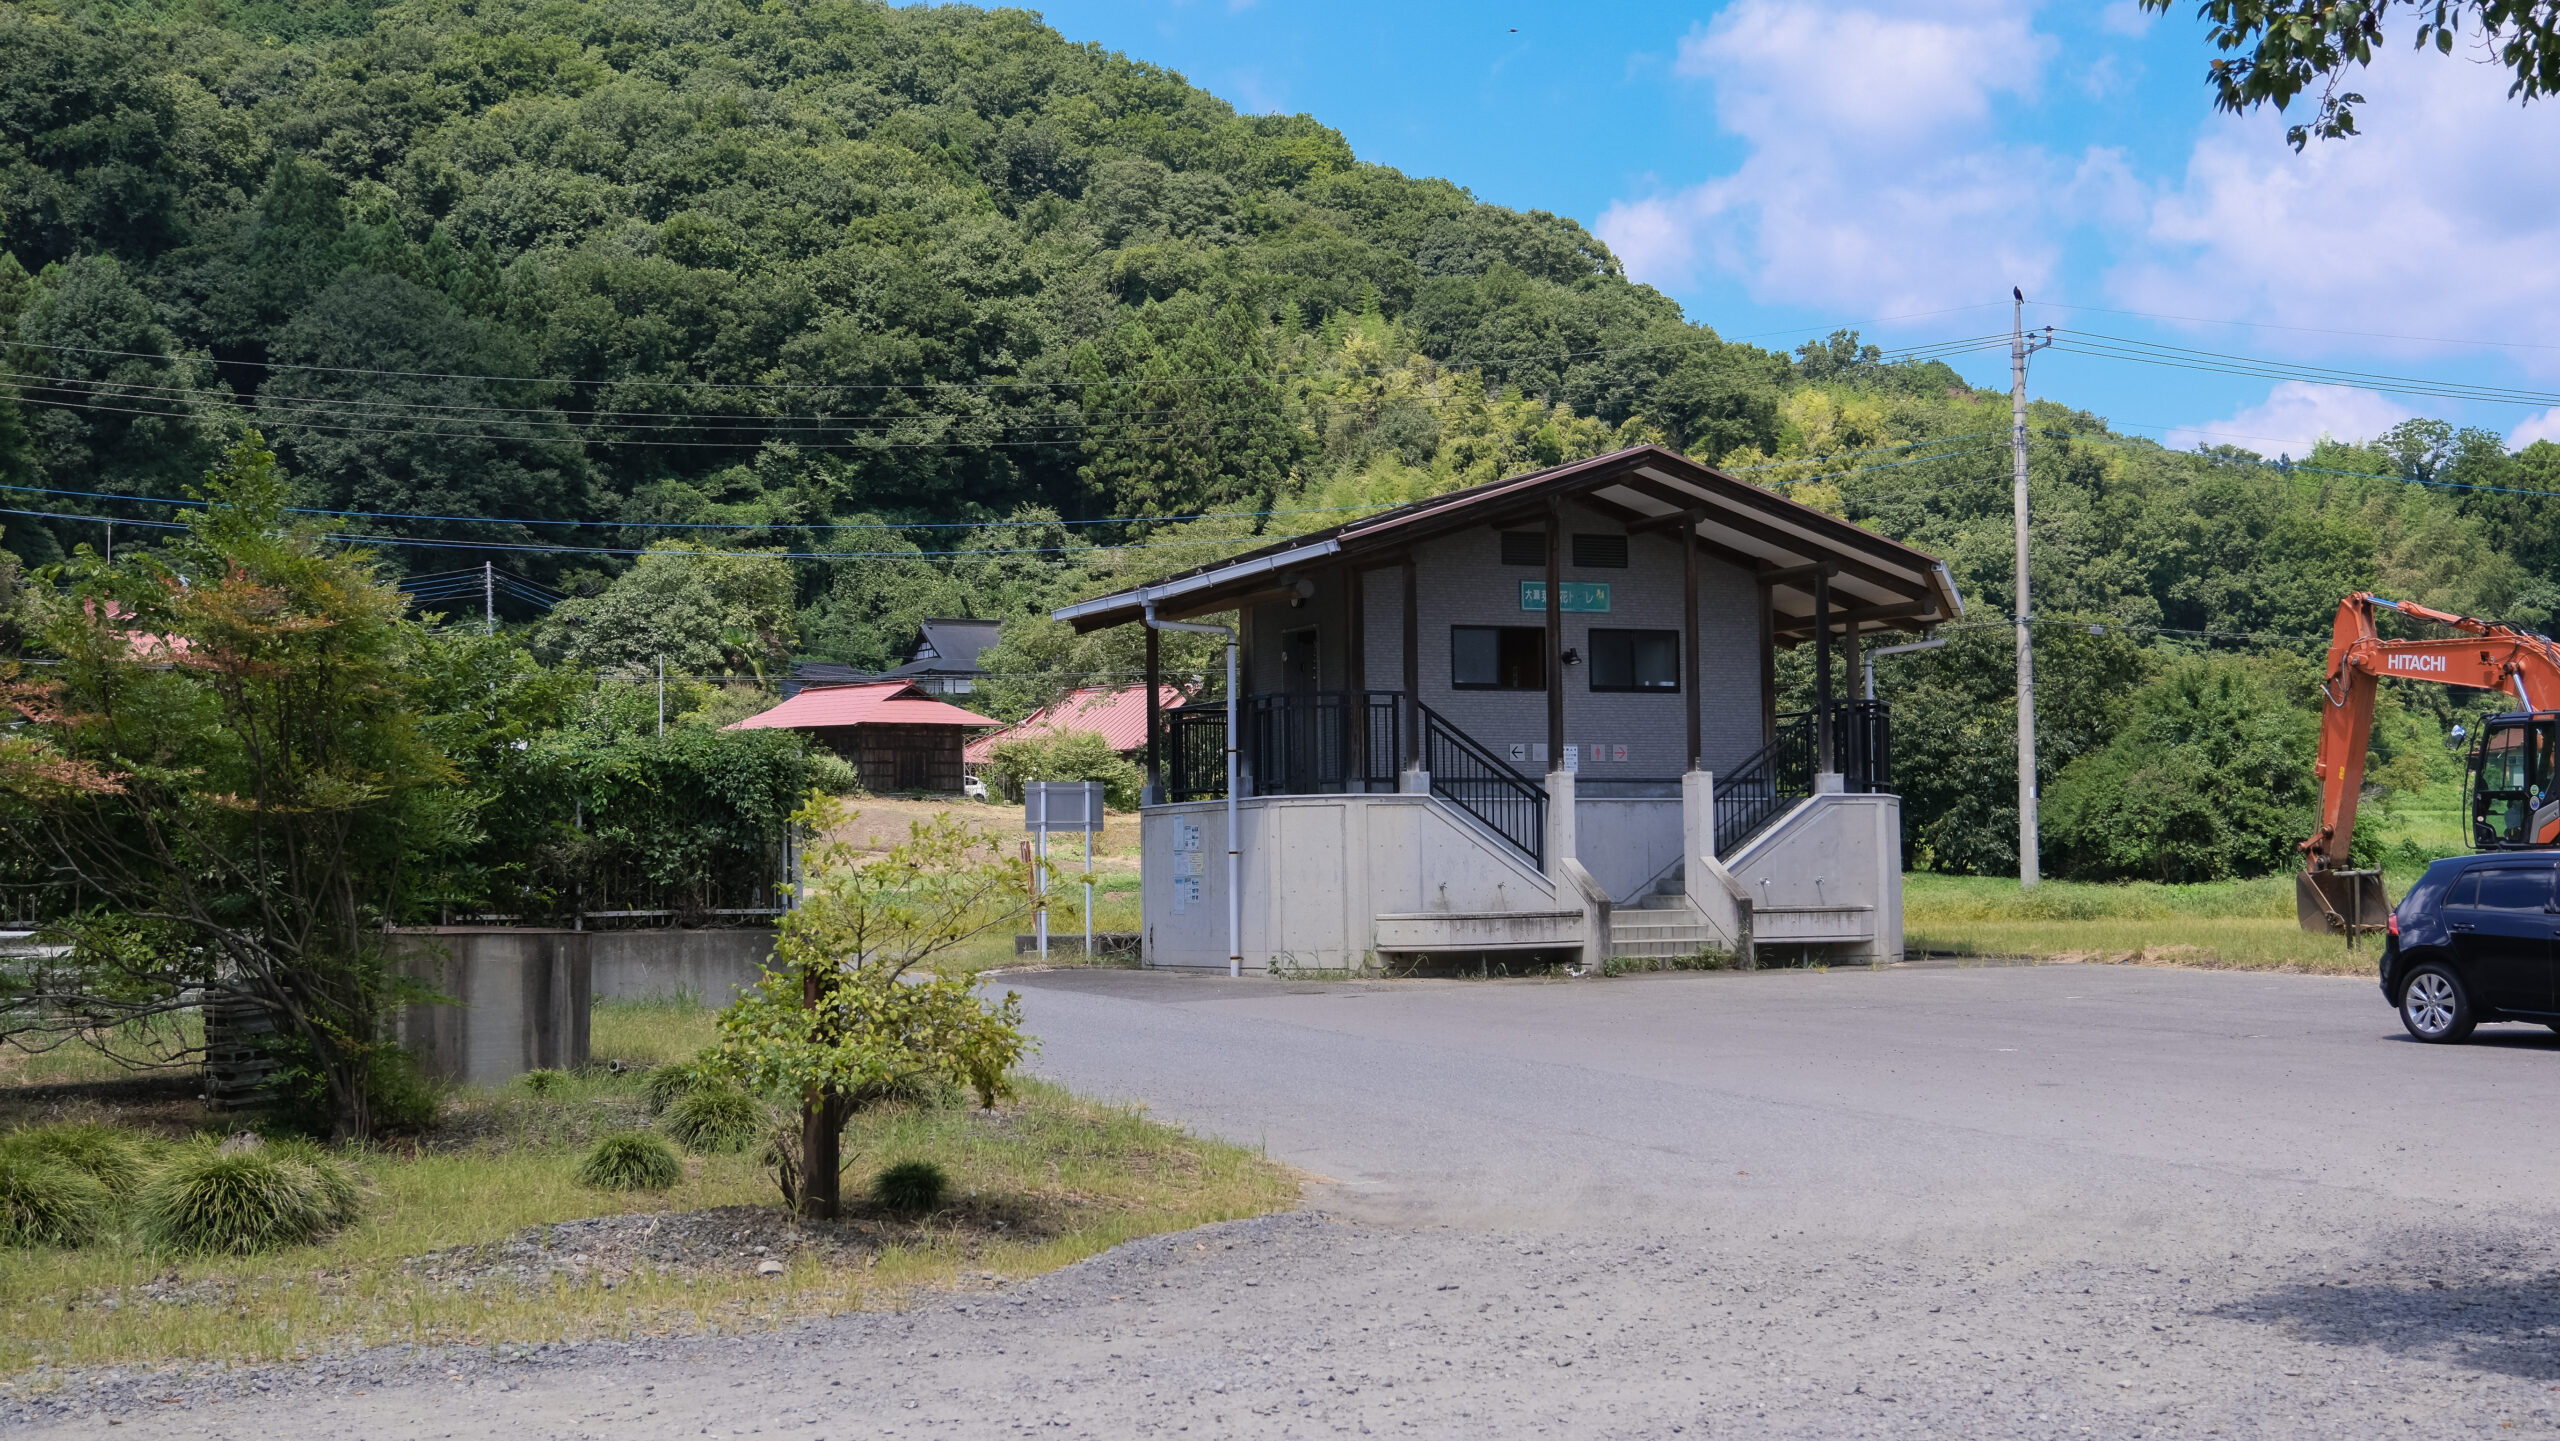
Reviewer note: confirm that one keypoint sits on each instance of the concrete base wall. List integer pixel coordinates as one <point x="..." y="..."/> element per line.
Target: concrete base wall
<point x="1318" y="871"/>
<point x="710" y="966"/>
<point x="516" y="1000"/>
<point x="1832" y="865"/>
<point x="1627" y="843"/>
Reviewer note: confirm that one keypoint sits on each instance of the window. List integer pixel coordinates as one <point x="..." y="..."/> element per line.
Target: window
<point x="2466" y="892"/>
<point x="1498" y="657"/>
<point x="1524" y="547"/>
<point x="1646" y="660"/>
<point x="1600" y="552"/>
<point x="2523" y="889"/>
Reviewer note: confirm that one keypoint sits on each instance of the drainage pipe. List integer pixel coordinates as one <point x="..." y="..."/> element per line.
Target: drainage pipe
<point x="1235" y="896"/>
<point x="1874" y="655"/>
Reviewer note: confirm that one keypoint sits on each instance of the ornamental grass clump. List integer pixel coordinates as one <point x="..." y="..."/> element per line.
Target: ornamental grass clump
<point x="911" y="1188"/>
<point x="716" y="1119"/>
<point x="243" y="1195"/>
<point x="631" y="1161"/>
<point x="670" y="1083"/>
<point x="46" y="1203"/>
<point x="110" y="1157"/>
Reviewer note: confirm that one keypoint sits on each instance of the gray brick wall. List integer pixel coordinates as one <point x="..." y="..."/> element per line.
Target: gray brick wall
<point x="1462" y="581"/>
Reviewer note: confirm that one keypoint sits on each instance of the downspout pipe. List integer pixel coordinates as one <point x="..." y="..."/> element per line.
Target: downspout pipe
<point x="1235" y="897"/>
<point x="1875" y="655"/>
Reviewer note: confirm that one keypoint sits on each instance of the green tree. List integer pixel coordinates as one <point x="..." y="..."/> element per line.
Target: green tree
<point x="704" y="613"/>
<point x="2209" y="778"/>
<point x="850" y="1010"/>
<point x="1183" y="415"/>
<point x="225" y="777"/>
<point x="2286" y="47"/>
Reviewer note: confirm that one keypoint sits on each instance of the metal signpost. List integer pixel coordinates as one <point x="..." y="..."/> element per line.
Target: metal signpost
<point x="1063" y="806"/>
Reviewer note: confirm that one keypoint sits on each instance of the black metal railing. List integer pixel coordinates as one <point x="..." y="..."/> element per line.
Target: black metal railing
<point x="1474" y="780"/>
<point x="1195" y="752"/>
<point x="1304" y="743"/>
<point x="1779" y="774"/>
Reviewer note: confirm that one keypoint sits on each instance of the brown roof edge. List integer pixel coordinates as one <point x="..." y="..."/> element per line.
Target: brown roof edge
<point x="1459" y="509"/>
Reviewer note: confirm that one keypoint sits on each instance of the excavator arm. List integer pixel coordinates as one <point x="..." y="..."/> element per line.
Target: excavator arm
<point x="2482" y="655"/>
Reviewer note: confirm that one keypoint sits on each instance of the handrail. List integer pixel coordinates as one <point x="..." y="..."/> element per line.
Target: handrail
<point x="1780" y="773"/>
<point x="1475" y="780"/>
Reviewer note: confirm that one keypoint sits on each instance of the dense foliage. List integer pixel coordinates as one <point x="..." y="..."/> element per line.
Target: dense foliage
<point x="864" y="314"/>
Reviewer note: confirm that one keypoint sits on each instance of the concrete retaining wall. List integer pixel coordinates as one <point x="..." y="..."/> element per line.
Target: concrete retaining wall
<point x="518" y="997"/>
<point x="516" y="1000"/>
<point x="710" y="966"/>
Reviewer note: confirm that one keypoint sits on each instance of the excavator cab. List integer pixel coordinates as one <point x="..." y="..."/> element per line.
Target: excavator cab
<point x="2513" y="800"/>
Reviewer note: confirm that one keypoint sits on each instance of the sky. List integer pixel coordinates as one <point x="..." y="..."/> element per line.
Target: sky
<point x="1783" y="168"/>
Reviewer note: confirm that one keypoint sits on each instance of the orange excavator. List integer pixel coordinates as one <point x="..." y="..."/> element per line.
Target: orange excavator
<point x="2514" y="805"/>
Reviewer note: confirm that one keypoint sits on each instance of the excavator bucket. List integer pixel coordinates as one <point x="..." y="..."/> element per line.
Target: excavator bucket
<point x="2329" y="902"/>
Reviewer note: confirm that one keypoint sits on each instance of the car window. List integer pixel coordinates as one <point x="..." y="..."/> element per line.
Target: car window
<point x="2422" y="897"/>
<point x="2466" y="892"/>
<point x="2523" y="889"/>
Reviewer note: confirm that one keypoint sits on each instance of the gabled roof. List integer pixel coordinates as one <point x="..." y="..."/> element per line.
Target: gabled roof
<point x="878" y="703"/>
<point x="949" y="646"/>
<point x="1873" y="579"/>
<point x="1118" y="716"/>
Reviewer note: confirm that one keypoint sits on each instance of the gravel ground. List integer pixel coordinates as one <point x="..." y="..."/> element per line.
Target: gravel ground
<point x="1307" y="1325"/>
<point x="2041" y="1203"/>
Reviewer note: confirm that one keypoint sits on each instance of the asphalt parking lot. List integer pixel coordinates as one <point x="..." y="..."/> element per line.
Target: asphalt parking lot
<point x="2047" y="1201"/>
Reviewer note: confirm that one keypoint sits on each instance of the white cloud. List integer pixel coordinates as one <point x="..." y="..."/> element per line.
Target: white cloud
<point x="2294" y="417"/>
<point x="1870" y="177"/>
<point x="2545" y="426"/>
<point x="2126" y="18"/>
<point x="2436" y="221"/>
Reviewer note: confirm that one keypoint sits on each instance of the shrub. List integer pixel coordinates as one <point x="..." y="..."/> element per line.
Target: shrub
<point x="104" y="1154"/>
<point x="44" y="1202"/>
<point x="670" y="1083"/>
<point x="404" y="1098"/>
<point x="717" y="1117"/>
<point x="631" y="1161"/>
<point x="543" y="1080"/>
<point x="911" y="1188"/>
<point x="341" y="1188"/>
<point x="832" y="773"/>
<point x="1065" y="756"/>
<point x="243" y="1195"/>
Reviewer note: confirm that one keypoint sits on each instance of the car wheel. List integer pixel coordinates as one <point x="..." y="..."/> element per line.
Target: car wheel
<point x="2433" y="1006"/>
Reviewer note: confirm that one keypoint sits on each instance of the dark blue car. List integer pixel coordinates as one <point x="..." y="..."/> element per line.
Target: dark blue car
<point x="2476" y="939"/>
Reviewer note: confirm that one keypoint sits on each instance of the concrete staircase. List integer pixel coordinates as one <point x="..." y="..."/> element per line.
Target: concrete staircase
<point x="1661" y="924"/>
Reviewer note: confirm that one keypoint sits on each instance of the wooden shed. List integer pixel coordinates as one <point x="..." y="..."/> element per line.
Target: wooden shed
<point x="899" y="738"/>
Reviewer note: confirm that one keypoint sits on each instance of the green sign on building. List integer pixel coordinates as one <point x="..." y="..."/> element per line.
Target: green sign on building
<point x="1581" y="595"/>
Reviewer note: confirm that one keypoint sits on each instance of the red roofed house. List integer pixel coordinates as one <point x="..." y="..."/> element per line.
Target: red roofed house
<point x="1118" y="716"/>
<point x="899" y="738"/>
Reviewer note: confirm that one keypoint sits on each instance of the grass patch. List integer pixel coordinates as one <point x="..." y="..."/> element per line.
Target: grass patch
<point x="631" y="1161"/>
<point x="1063" y="1179"/>
<point x="2237" y="925"/>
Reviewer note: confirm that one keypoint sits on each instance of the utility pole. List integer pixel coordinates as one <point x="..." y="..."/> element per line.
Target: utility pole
<point x="488" y="598"/>
<point x="2019" y="350"/>
<point x="662" y="695"/>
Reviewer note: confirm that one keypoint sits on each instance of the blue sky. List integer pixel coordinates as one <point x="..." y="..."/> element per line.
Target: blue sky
<point x="1782" y="167"/>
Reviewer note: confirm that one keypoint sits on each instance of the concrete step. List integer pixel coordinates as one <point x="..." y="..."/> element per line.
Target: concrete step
<point x="1655" y="944"/>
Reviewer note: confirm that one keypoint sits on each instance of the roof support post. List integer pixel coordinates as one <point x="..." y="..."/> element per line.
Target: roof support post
<point x="1689" y="624"/>
<point x="1826" y="760"/>
<point x="1555" y="634"/>
<point x="1412" y="665"/>
<point x="1355" y="675"/>
<point x="1155" y="719"/>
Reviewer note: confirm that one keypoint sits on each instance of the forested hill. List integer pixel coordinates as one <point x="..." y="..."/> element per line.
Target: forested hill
<point x="955" y="264"/>
<point x="964" y="318"/>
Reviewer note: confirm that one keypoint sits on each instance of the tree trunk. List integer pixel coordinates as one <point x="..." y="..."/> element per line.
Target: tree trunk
<point x="821" y="1158"/>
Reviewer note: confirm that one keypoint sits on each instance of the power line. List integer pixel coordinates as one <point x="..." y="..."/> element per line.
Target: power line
<point x="2213" y="362"/>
